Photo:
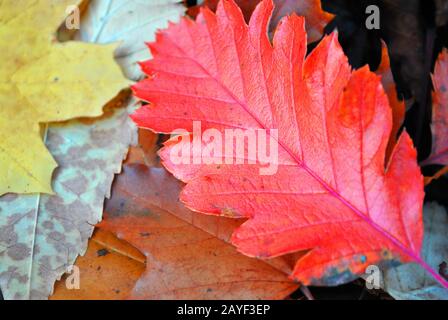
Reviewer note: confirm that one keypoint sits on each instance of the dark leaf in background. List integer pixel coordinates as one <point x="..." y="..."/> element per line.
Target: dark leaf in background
<point x="190" y="3"/>
<point x="362" y="46"/>
<point x="408" y="29"/>
<point x="437" y="191"/>
<point x="415" y="32"/>
<point x="441" y="14"/>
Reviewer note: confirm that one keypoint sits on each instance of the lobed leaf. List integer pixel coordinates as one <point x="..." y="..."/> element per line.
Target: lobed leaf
<point x="333" y="194"/>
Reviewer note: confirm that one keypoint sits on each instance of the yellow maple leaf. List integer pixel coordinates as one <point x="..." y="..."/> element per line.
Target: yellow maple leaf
<point x="43" y="81"/>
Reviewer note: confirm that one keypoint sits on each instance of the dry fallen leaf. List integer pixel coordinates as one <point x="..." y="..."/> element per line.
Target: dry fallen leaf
<point x="36" y="74"/>
<point x="183" y="260"/>
<point x="410" y="281"/>
<point x="109" y="270"/>
<point x="41" y="235"/>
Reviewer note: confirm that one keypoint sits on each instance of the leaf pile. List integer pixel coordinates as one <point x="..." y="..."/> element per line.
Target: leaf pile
<point x="42" y="234"/>
<point x="342" y="189"/>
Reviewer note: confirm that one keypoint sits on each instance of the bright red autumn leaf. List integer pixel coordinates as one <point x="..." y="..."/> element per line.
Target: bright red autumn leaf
<point x="332" y="192"/>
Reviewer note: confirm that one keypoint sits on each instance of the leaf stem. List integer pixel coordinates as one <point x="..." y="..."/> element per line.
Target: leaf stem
<point x="306" y="292"/>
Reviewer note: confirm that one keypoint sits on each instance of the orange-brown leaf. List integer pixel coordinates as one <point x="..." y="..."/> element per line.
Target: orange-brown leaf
<point x="108" y="271"/>
<point x="183" y="261"/>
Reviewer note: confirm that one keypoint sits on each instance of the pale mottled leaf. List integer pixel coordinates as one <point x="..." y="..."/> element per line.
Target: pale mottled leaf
<point x="41" y="235"/>
<point x="410" y="281"/>
<point x="132" y="22"/>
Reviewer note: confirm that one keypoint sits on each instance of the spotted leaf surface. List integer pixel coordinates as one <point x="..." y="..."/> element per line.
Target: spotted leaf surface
<point x="41" y="235"/>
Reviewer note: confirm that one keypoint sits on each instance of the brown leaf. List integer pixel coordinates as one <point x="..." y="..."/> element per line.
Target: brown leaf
<point x="109" y="270"/>
<point x="146" y="151"/>
<point x="188" y="256"/>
